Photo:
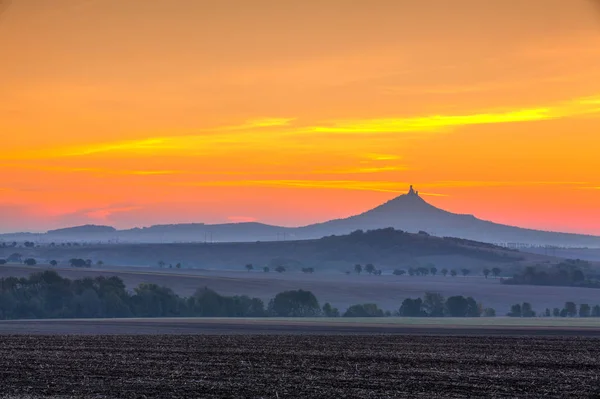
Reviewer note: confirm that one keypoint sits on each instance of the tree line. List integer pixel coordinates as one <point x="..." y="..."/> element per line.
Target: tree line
<point x="74" y="262"/>
<point x="48" y="295"/>
<point x="569" y="310"/>
<point x="569" y="273"/>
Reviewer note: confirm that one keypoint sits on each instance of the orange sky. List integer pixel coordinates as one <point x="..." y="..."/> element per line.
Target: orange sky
<point x="136" y="112"/>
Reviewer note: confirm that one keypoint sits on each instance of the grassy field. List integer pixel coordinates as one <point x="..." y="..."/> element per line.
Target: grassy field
<point x="339" y="289"/>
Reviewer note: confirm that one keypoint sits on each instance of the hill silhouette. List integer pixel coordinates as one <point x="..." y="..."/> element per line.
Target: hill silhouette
<point x="408" y="212"/>
<point x="386" y="248"/>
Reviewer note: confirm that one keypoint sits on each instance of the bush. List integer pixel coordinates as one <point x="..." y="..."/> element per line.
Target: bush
<point x="412" y="308"/>
<point x="459" y="306"/>
<point x="298" y="303"/>
<point x="364" y="310"/>
<point x="329" y="311"/>
<point x="489" y="312"/>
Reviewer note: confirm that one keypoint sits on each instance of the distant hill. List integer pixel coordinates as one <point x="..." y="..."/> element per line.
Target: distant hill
<point x="87" y="229"/>
<point x="408" y="212"/>
<point x="385" y="248"/>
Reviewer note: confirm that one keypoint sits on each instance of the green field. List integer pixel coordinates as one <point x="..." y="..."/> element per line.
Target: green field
<point x="575" y="322"/>
<point x="444" y="321"/>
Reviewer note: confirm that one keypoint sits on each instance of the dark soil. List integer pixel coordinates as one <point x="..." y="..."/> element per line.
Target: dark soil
<point x="285" y="366"/>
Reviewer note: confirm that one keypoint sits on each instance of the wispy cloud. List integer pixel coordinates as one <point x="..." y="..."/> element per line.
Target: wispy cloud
<point x="68" y="169"/>
<point x="376" y="186"/>
<point x="360" y="170"/>
<point x="433" y="194"/>
<point x="381" y="157"/>
<point x="491" y="183"/>
<point x="277" y="134"/>
<point x="104" y="214"/>
<point x="256" y="123"/>
<point x="576" y="107"/>
<point x="382" y="186"/>
<point x="432" y="123"/>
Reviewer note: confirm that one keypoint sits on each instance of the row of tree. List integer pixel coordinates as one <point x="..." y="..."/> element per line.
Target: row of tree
<point x="569" y="310"/>
<point x="425" y="271"/>
<point x="570" y="273"/>
<point x="278" y="269"/>
<point x="371" y="269"/>
<point x="435" y="305"/>
<point x="74" y="262"/>
<point x="48" y="295"/>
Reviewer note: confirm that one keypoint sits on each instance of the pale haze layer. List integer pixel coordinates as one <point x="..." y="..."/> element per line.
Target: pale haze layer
<point x="136" y="112"/>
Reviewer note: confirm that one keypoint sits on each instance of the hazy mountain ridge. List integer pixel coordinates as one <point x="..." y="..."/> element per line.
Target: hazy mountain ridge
<point x="408" y="212"/>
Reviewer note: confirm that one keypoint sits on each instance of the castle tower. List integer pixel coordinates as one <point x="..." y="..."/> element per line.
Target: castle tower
<point x="412" y="192"/>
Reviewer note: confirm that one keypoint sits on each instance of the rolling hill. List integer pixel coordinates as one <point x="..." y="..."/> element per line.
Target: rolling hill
<point x="386" y="248"/>
<point x="408" y="212"/>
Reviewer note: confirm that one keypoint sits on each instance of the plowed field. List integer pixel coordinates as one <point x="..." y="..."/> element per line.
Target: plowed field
<point x="285" y="366"/>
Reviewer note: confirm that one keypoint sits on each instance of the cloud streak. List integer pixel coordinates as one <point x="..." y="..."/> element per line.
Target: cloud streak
<point x="274" y="132"/>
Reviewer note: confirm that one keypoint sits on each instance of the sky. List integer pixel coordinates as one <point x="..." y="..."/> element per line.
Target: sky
<point x="135" y="112"/>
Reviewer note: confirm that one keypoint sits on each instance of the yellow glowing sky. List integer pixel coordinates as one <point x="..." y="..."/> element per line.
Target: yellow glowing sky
<point x="137" y="112"/>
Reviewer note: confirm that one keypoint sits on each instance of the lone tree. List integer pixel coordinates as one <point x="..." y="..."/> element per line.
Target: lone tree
<point x="444" y="272"/>
<point x="358" y="268"/>
<point x="486" y="272"/>
<point x="30" y="262"/>
<point x="453" y="273"/>
<point x="433" y="270"/>
<point x="77" y="262"/>
<point x="53" y="263"/>
<point x="369" y="268"/>
<point x="161" y="263"/>
<point x="3" y="262"/>
<point x="249" y="267"/>
<point x="280" y="269"/>
<point x="496" y="272"/>
<point x="266" y="269"/>
<point x="15" y="258"/>
<point x="465" y="272"/>
<point x="596" y="311"/>
<point x="399" y="272"/>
